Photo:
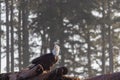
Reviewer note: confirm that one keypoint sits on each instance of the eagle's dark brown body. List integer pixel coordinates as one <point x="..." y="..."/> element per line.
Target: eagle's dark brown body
<point x="47" y="61"/>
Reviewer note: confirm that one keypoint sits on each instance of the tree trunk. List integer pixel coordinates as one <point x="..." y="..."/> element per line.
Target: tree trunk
<point x="110" y="42"/>
<point x="12" y="38"/>
<point x="89" y="54"/>
<point x="26" y="54"/>
<point x="103" y="50"/>
<point x="19" y="37"/>
<point x="0" y="39"/>
<point x="60" y="32"/>
<point x="103" y="40"/>
<point x="110" y="50"/>
<point x="7" y="36"/>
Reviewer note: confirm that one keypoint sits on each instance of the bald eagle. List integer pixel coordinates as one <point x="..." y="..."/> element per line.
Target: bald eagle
<point x="47" y="60"/>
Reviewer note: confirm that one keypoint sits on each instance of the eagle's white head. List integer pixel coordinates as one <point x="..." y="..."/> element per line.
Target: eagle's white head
<point x="56" y="50"/>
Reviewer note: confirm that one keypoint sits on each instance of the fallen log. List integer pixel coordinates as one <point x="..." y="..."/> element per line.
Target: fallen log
<point x="68" y="78"/>
<point x="53" y="74"/>
<point x="57" y="74"/>
<point x="4" y="76"/>
<point x="37" y="73"/>
<point x="23" y="75"/>
<point x="113" y="76"/>
<point x="30" y="73"/>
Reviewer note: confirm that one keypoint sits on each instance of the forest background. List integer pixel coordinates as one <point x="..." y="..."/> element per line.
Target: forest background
<point x="88" y="32"/>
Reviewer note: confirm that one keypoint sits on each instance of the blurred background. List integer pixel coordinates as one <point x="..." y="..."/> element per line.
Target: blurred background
<point x="88" y="32"/>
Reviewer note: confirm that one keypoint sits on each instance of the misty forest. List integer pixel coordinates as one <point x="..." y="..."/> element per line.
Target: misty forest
<point x="87" y="31"/>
